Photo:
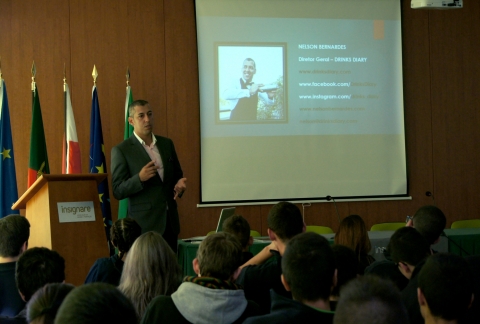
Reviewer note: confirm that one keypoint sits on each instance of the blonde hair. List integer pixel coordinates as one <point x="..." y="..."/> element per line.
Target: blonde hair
<point x="151" y="269"/>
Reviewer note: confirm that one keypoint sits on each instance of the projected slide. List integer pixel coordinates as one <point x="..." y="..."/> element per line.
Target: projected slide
<point x="300" y="102"/>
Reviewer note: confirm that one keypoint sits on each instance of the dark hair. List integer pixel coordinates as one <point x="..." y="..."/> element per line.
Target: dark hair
<point x="219" y="256"/>
<point x="238" y="227"/>
<point x="131" y="107"/>
<point x="446" y="282"/>
<point x="36" y="267"/>
<point x="347" y="265"/>
<point x="14" y="231"/>
<point x="44" y="304"/>
<point x="430" y="222"/>
<point x="370" y="299"/>
<point x="408" y="245"/>
<point x="308" y="266"/>
<point x="285" y="220"/>
<point x="250" y="60"/>
<point x="123" y="233"/>
<point x="96" y="303"/>
<point x="352" y="233"/>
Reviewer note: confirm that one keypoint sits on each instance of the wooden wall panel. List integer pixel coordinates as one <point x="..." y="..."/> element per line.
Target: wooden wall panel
<point x="157" y="41"/>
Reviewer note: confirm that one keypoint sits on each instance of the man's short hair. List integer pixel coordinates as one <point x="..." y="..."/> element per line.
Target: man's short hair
<point x="96" y="303"/>
<point x="36" y="267"/>
<point x="347" y="266"/>
<point x="308" y="266"/>
<point x="447" y="284"/>
<point x="238" y="227"/>
<point x="248" y="59"/>
<point x="408" y="245"/>
<point x="285" y="220"/>
<point x="219" y="256"/>
<point x="370" y="299"/>
<point x="14" y="231"/>
<point x="131" y="107"/>
<point x="430" y="222"/>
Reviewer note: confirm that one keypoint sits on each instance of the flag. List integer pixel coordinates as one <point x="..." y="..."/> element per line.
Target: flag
<point x="71" y="162"/>
<point x="123" y="205"/>
<point x="8" y="179"/>
<point x="98" y="162"/>
<point x="38" y="163"/>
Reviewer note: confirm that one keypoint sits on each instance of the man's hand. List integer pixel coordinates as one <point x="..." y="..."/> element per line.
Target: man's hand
<point x="180" y="188"/>
<point x="271" y="94"/>
<point x="254" y="88"/>
<point x="148" y="171"/>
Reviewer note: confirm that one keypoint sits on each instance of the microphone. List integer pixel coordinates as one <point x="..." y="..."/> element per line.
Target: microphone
<point x="454" y="243"/>
<point x="429" y="194"/>
<point x="336" y="209"/>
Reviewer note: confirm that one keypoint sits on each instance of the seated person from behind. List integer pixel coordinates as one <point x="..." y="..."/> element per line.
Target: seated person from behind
<point x="347" y="266"/>
<point x="42" y="308"/>
<point x="352" y="233"/>
<point x="370" y="300"/>
<point x="14" y="234"/>
<point x="239" y="227"/>
<point x="262" y="272"/>
<point x="122" y="235"/>
<point x="409" y="249"/>
<point x="308" y="266"/>
<point x="212" y="296"/>
<point x="445" y="291"/>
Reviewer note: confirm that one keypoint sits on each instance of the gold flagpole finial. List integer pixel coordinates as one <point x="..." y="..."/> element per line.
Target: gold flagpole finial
<point x="94" y="74"/>
<point x="128" y="77"/>
<point x="34" y="73"/>
<point x="64" y="78"/>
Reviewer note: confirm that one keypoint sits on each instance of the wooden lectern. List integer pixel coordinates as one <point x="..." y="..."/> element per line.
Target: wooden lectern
<point x="80" y="243"/>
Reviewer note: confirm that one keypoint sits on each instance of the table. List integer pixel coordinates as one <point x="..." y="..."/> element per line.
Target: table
<point x="467" y="238"/>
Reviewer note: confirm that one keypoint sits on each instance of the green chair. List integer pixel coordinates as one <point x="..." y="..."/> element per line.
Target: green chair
<point x="468" y="223"/>
<point x="387" y="226"/>
<point x="319" y="229"/>
<point x="254" y="233"/>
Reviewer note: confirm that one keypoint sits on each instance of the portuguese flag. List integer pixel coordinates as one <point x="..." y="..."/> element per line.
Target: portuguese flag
<point x="38" y="163"/>
<point x="123" y="204"/>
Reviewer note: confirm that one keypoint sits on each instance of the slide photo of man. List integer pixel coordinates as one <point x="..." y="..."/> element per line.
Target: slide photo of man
<point x="251" y="83"/>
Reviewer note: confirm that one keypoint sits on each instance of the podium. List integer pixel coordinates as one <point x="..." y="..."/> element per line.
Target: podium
<point x="79" y="242"/>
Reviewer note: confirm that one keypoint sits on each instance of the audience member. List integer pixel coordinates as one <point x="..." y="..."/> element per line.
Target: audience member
<point x="151" y="269"/>
<point x="308" y="266"/>
<point x="122" y="235"/>
<point x="239" y="227"/>
<point x="445" y="290"/>
<point x="14" y="234"/>
<point x="409" y="249"/>
<point x="347" y="265"/>
<point x="96" y="303"/>
<point x="258" y="275"/>
<point x="212" y="297"/>
<point x="35" y="268"/>
<point x="352" y="233"/>
<point x="44" y="304"/>
<point x="372" y="300"/>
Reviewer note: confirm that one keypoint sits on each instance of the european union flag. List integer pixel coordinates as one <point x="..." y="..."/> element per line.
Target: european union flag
<point x="8" y="178"/>
<point x="98" y="164"/>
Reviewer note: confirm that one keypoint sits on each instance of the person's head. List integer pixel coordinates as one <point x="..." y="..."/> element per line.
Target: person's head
<point x="430" y="222"/>
<point x="370" y="299"/>
<point x="407" y="248"/>
<point x="352" y="233"/>
<point x="35" y="268"/>
<point x="123" y="233"/>
<point x="140" y="116"/>
<point x="248" y="69"/>
<point x="238" y="227"/>
<point x="45" y="302"/>
<point x="151" y="269"/>
<point x="308" y="268"/>
<point x="347" y="265"/>
<point x="285" y="221"/>
<point x="14" y="234"/>
<point x="445" y="287"/>
<point x="96" y="303"/>
<point x="218" y="256"/>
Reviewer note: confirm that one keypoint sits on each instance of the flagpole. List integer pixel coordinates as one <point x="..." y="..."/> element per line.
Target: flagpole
<point x="65" y="153"/>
